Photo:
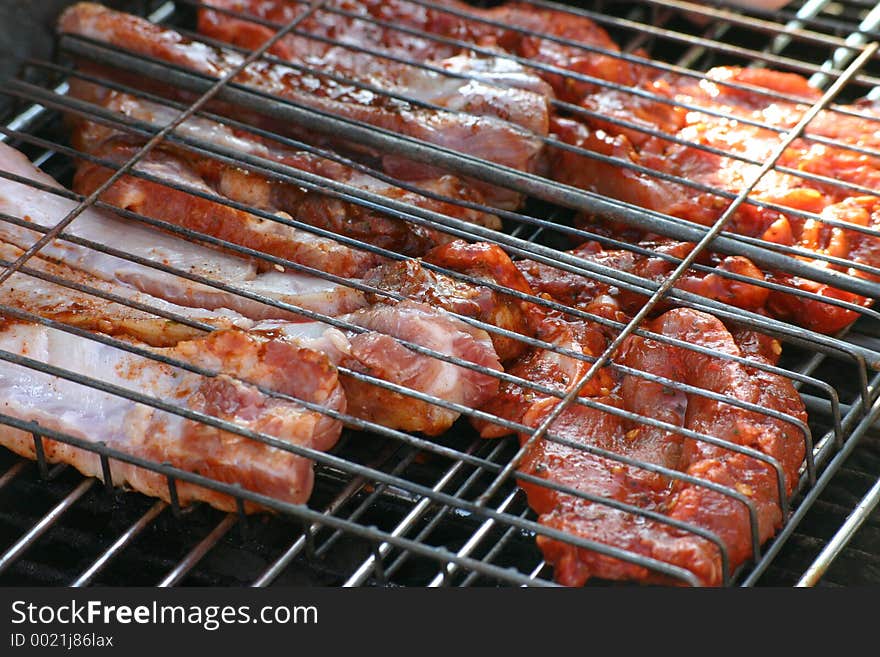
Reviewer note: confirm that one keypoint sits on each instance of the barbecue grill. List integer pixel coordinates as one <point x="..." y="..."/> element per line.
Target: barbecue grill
<point x="396" y="508"/>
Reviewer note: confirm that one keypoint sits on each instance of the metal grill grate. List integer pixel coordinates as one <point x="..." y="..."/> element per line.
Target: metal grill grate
<point x="394" y="507"/>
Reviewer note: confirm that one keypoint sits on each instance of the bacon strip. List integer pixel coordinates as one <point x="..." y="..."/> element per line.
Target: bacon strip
<point x="696" y="505"/>
<point x="241" y="363"/>
<point x="482" y="136"/>
<point x="260" y="191"/>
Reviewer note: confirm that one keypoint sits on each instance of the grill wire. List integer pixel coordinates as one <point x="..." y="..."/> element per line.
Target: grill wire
<point x="404" y="509"/>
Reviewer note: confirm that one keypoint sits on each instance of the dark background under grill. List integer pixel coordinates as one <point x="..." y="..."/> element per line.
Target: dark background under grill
<point x="72" y="544"/>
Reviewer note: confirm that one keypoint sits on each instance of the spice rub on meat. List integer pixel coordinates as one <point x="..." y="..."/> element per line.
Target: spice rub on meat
<point x="716" y="154"/>
<point x="192" y="173"/>
<point x="243" y="368"/>
<point x="726" y="517"/>
<point x="488" y="137"/>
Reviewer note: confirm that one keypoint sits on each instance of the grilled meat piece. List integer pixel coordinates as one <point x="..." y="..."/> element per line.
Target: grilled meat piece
<point x="464" y="25"/>
<point x="47" y="209"/>
<point x="263" y="192"/>
<point x="176" y="205"/>
<point x="589" y="294"/>
<point x="545" y="367"/>
<point x="485" y="137"/>
<point x="339" y="27"/>
<point x="83" y="309"/>
<point x="480" y="85"/>
<point x="411" y="279"/>
<point x="728" y="174"/>
<point x="377" y="352"/>
<point x="855" y="246"/>
<point x="241" y="364"/>
<point x="696" y="505"/>
<point x="740" y="139"/>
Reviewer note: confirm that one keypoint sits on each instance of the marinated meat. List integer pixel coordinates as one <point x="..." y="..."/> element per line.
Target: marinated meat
<point x="488" y="262"/>
<point x="250" y="188"/>
<point x="548" y="368"/>
<point x="86" y="310"/>
<point x="480" y="85"/>
<point x="729" y="175"/>
<point x="178" y="206"/>
<point x="47" y="209"/>
<point x="377" y="352"/>
<point x="241" y="364"/>
<point x="696" y="505"/>
<point x="463" y="25"/>
<point x="589" y="294"/>
<point x="486" y="137"/>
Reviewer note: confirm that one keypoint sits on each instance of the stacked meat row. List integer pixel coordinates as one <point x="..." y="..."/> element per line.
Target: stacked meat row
<point x="347" y="326"/>
<point x="649" y="120"/>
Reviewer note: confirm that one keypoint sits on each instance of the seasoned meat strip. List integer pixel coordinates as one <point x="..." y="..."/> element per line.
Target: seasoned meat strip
<point x="588" y="294"/>
<point x="696" y="505"/>
<point x="494" y="86"/>
<point x="730" y="175"/>
<point x="47" y="209"/>
<point x="378" y="353"/>
<point x="177" y="206"/>
<point x="482" y="136"/>
<point x="482" y="261"/>
<point x="462" y="26"/>
<point x="90" y="312"/>
<point x="248" y="187"/>
<point x="241" y="363"/>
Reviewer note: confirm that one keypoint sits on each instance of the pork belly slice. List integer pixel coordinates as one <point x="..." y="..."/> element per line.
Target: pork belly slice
<point x="47" y="209"/>
<point x="482" y="261"/>
<point x="177" y="206"/>
<point x="378" y="353"/>
<point x="481" y="136"/>
<point x="88" y="311"/>
<point x="838" y="164"/>
<point x="495" y="86"/>
<point x="587" y="294"/>
<point x="262" y="192"/>
<point x="333" y="26"/>
<point x="604" y="477"/>
<point x="433" y="21"/>
<point x="241" y="363"/>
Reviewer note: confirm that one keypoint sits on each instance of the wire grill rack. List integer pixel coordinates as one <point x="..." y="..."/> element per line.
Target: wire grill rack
<point x="391" y="507"/>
